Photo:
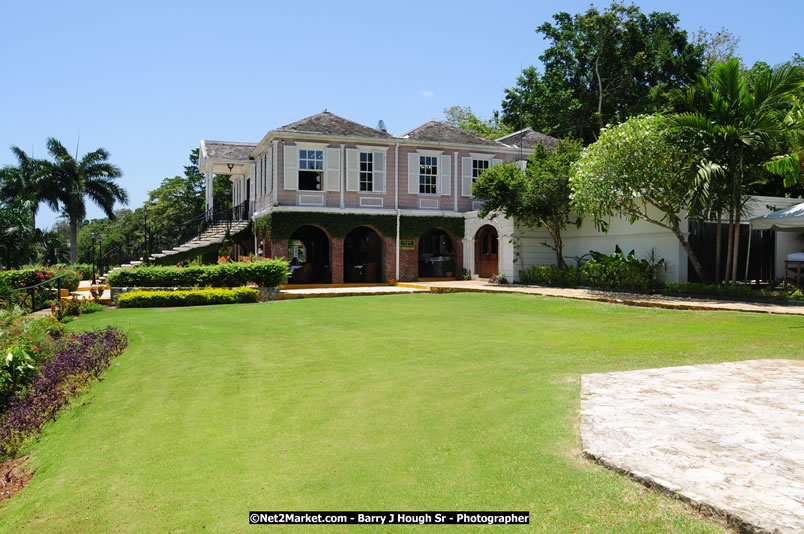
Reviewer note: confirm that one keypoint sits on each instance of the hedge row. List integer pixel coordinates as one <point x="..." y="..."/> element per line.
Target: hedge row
<point x="196" y="297"/>
<point x="267" y="273"/>
<point x="15" y="279"/>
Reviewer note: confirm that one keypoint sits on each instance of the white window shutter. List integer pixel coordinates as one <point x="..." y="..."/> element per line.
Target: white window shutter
<point x="466" y="177"/>
<point x="352" y="169"/>
<point x="267" y="168"/>
<point x="333" y="169"/>
<point x="495" y="162"/>
<point x="446" y="176"/>
<point x="291" y="168"/>
<point x="379" y="171"/>
<point x="413" y="173"/>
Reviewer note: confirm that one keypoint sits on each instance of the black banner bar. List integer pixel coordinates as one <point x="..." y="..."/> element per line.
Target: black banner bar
<point x="388" y="518"/>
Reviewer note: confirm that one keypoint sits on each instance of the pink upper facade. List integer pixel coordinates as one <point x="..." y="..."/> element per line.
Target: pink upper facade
<point x="331" y="163"/>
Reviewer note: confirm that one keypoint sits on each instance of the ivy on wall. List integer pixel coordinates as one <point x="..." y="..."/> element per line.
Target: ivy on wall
<point x="414" y="227"/>
<point x="262" y="224"/>
<point x="282" y="224"/>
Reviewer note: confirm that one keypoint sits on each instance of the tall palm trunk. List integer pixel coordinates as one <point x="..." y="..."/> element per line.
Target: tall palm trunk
<point x="73" y="241"/>
<point x="718" y="246"/>
<point x="730" y="244"/>
<point x="737" y="201"/>
<point x="736" y="258"/>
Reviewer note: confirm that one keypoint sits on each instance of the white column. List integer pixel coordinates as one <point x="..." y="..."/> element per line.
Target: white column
<point x="468" y="255"/>
<point x="209" y="189"/>
<point x="455" y="181"/>
<point x="274" y="171"/>
<point x="343" y="175"/>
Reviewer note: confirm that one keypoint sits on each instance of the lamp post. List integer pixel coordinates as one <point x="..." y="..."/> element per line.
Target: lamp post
<point x="93" y="258"/>
<point x="147" y="255"/>
<point x="100" y="254"/>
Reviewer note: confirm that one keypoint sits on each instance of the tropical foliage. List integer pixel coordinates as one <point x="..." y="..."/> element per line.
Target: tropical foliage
<point x="740" y="125"/>
<point x="641" y="171"/>
<point x="538" y="196"/>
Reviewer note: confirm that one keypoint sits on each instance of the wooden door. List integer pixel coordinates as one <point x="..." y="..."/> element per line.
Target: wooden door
<point x="486" y="245"/>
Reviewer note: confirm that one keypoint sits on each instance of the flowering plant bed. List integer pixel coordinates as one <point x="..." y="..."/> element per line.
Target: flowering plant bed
<point x="81" y="358"/>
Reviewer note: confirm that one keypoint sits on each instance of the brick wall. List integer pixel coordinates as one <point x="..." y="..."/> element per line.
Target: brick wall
<point x="408" y="259"/>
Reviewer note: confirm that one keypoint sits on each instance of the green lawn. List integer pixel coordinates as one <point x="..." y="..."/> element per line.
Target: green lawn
<point x="415" y="402"/>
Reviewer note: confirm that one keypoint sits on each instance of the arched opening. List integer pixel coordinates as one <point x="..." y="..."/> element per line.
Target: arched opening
<point x="436" y="256"/>
<point x="486" y="251"/>
<point x="362" y="256"/>
<point x="308" y="252"/>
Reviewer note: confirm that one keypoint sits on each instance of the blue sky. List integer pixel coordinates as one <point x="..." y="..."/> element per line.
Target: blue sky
<point x="148" y="80"/>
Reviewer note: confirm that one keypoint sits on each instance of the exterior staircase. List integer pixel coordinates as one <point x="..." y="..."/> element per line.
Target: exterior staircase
<point x="214" y="234"/>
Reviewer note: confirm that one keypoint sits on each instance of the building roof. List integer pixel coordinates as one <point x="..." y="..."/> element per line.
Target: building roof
<point x="528" y="138"/>
<point x="326" y="123"/>
<point x="441" y="132"/>
<point x="226" y="150"/>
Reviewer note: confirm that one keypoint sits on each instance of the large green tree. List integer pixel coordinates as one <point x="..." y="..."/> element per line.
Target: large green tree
<point x="640" y="170"/>
<point x="718" y="47"/>
<point x="601" y="68"/>
<point x="462" y="117"/>
<point x="538" y="196"/>
<point x="73" y="179"/>
<point x="177" y="200"/>
<point x="740" y="120"/>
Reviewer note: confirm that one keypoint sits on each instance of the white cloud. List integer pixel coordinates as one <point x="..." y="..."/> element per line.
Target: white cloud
<point x="427" y="93"/>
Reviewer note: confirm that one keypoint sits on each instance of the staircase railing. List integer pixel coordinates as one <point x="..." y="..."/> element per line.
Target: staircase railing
<point x="187" y="231"/>
<point x="35" y="297"/>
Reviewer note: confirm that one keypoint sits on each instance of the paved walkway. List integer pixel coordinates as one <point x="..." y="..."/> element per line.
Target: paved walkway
<point x="728" y="438"/>
<point x="632" y="299"/>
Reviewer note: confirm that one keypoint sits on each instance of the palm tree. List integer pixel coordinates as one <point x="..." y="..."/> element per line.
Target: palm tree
<point x="740" y="125"/>
<point x="70" y="180"/>
<point x="22" y="181"/>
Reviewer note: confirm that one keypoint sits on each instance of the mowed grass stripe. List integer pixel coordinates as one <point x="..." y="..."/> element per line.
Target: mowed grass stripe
<point x="451" y="402"/>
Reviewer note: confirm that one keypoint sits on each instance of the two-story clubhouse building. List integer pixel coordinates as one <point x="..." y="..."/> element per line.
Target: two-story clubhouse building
<point x="352" y="204"/>
<point x="357" y="204"/>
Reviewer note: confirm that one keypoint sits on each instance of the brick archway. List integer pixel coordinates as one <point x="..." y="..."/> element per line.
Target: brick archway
<point x="314" y="265"/>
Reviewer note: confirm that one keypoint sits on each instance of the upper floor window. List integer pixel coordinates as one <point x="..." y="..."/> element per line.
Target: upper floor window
<point x="479" y="166"/>
<point x="311" y="170"/>
<point x="428" y="174"/>
<point x="366" y="171"/>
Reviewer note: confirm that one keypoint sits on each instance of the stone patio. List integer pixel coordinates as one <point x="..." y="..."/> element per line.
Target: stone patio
<point x="727" y="438"/>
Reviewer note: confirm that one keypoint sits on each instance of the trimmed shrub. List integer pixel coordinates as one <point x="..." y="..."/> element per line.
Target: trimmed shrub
<point x="712" y="290"/>
<point x="91" y="307"/>
<point x="550" y="275"/>
<point x="267" y="273"/>
<point x="84" y="270"/>
<point x="199" y="297"/>
<point x="83" y="358"/>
